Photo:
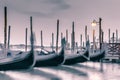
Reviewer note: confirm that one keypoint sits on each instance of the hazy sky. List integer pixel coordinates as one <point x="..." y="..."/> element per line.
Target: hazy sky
<point x="46" y="12"/>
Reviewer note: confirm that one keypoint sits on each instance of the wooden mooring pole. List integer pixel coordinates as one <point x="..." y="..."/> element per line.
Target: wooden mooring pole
<point x="73" y="36"/>
<point x="31" y="32"/>
<point x="67" y="36"/>
<point x="5" y="27"/>
<point x="26" y="31"/>
<point x="61" y="35"/>
<point x="81" y="40"/>
<point x="113" y="37"/>
<point x="9" y="36"/>
<point x="116" y="35"/>
<point x="57" y="36"/>
<point x="102" y="36"/>
<point x="67" y="45"/>
<point x="100" y="19"/>
<point x="85" y="33"/>
<point x="52" y="41"/>
<point x="109" y="35"/>
<point x="41" y="39"/>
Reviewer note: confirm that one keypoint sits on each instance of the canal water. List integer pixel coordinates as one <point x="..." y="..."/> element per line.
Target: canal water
<point x="81" y="71"/>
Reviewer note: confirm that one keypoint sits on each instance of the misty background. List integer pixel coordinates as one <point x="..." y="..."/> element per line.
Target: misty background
<point x="46" y="12"/>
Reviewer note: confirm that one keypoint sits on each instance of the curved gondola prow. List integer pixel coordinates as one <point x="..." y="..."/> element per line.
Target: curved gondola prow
<point x="99" y="55"/>
<point x="62" y="52"/>
<point x="88" y="48"/>
<point x="63" y="43"/>
<point x="32" y="42"/>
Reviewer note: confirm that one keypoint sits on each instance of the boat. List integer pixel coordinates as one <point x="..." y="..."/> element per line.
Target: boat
<point x="77" y="57"/>
<point x="24" y="60"/>
<point x="97" y="55"/>
<point x="18" y="62"/>
<point x="52" y="58"/>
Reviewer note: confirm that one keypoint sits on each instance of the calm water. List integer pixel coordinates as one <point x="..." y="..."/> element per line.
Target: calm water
<point x="82" y="71"/>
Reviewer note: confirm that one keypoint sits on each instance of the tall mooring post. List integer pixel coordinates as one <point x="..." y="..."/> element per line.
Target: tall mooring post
<point x="73" y="37"/>
<point x="52" y="41"/>
<point x="116" y="35"/>
<point x="26" y="31"/>
<point x="100" y="19"/>
<point x="9" y="29"/>
<point x="57" y="36"/>
<point x="31" y="32"/>
<point x="41" y="34"/>
<point x="81" y="40"/>
<point x="5" y="27"/>
<point x="85" y="33"/>
<point x="109" y="35"/>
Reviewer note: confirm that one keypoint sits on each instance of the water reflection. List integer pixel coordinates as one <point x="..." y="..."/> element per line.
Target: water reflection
<point x="34" y="74"/>
<point x="3" y="76"/>
<point x="67" y="72"/>
<point x="81" y="71"/>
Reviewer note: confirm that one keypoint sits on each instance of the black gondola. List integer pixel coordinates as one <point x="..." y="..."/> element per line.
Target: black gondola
<point x="76" y="58"/>
<point x="97" y="55"/>
<point x="16" y="63"/>
<point x="21" y="61"/>
<point x="52" y="58"/>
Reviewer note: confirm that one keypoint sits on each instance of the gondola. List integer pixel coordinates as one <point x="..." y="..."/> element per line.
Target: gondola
<point x="18" y="62"/>
<point x="51" y="58"/>
<point x="77" y="57"/>
<point x="97" y="55"/>
<point x="24" y="60"/>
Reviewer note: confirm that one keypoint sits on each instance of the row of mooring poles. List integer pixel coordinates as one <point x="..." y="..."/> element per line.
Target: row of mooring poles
<point x="9" y="31"/>
<point x="113" y="36"/>
<point x="6" y="46"/>
<point x="82" y="43"/>
<point x="86" y="38"/>
<point x="57" y="36"/>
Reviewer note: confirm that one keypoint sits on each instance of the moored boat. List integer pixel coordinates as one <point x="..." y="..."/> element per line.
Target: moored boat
<point x="51" y="58"/>
<point x="77" y="57"/>
<point x="97" y="55"/>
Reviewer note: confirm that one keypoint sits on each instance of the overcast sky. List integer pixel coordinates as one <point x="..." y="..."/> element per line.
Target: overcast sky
<point x="46" y="12"/>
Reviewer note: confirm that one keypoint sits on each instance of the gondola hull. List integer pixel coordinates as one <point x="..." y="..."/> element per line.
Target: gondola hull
<point x="76" y="59"/>
<point x="20" y="63"/>
<point x="98" y="56"/>
<point x="52" y="59"/>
